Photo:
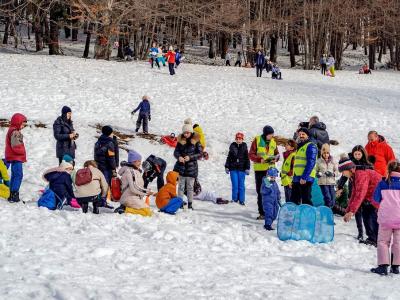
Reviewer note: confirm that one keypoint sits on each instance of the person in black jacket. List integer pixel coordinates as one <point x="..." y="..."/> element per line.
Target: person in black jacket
<point x="359" y="157"/>
<point x="238" y="166"/>
<point x="187" y="152"/>
<point x="317" y="130"/>
<point x="154" y="167"/>
<point x="64" y="133"/>
<point x="60" y="182"/>
<point x="106" y="153"/>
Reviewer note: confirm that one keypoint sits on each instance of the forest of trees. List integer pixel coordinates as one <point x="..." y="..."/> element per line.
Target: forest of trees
<point x="307" y="28"/>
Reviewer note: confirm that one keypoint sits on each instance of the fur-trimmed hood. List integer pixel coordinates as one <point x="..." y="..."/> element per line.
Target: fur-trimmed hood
<point x="194" y="138"/>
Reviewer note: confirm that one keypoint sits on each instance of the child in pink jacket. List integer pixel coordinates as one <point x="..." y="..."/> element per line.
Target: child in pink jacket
<point x="387" y="194"/>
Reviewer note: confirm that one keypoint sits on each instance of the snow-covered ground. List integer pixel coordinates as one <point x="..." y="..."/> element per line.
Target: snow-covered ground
<point x="218" y="252"/>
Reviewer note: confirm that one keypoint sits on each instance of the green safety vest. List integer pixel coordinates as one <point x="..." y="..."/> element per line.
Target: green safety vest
<point x="285" y="178"/>
<point x="300" y="162"/>
<point x="262" y="152"/>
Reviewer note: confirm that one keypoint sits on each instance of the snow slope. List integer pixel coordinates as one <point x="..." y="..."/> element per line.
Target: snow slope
<point x="218" y="252"/>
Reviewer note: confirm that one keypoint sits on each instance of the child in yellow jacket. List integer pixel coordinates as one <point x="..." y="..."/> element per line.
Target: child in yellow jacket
<point x="4" y="181"/>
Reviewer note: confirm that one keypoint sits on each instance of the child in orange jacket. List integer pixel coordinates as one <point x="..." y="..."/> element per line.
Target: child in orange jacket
<point x="167" y="200"/>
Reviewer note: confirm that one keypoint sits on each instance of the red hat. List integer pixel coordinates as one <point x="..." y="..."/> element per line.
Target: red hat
<point x="239" y="135"/>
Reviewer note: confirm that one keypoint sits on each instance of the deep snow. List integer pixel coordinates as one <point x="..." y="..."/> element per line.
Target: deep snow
<point x="214" y="251"/>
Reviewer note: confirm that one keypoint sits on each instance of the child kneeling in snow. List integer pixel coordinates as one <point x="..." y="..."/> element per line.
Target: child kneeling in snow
<point x="167" y="200"/>
<point x="4" y="181"/>
<point x="132" y="186"/>
<point x="271" y="197"/>
<point x="60" y="182"/>
<point x="387" y="193"/>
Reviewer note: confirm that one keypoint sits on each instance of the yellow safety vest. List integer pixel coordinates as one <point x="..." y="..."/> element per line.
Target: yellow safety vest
<point x="300" y="162"/>
<point x="262" y="152"/>
<point x="285" y="178"/>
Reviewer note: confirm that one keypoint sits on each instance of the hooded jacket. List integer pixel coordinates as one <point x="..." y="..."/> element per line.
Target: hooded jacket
<point x="60" y="183"/>
<point x="188" y="147"/>
<point x="106" y="153"/>
<point x="324" y="166"/>
<point x="382" y="154"/>
<point x="15" y="148"/>
<point x="168" y="191"/>
<point x="62" y="128"/>
<point x="143" y="107"/>
<point x="98" y="185"/>
<point x="318" y="134"/>
<point x="132" y="187"/>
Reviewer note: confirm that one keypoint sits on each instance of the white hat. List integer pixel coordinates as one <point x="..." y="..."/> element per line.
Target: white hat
<point x="187" y="128"/>
<point x="188" y="121"/>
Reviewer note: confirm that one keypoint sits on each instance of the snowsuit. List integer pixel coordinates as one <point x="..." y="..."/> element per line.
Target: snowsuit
<point x="178" y="57"/>
<point x="158" y="166"/>
<point x="60" y="183"/>
<point x="259" y="62"/>
<point x="381" y="154"/>
<point x="238" y="163"/>
<point x="15" y="152"/>
<point x="167" y="200"/>
<point x="271" y="197"/>
<point x="326" y="173"/>
<point x="106" y="153"/>
<point x="144" y="115"/>
<point x="387" y="194"/>
<point x="188" y="171"/>
<point x="4" y="181"/>
<point x="62" y="128"/>
<point x="227" y="59"/>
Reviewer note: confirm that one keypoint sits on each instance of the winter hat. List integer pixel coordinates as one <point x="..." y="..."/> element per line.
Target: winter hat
<point x="65" y="110"/>
<point x="268" y="130"/>
<point x="66" y="165"/>
<point x="107" y="130"/>
<point x="188" y="121"/>
<point x="345" y="163"/>
<point x="187" y="128"/>
<point x="272" y="172"/>
<point x="239" y="135"/>
<point x="133" y="156"/>
<point x="305" y="130"/>
<point x="67" y="158"/>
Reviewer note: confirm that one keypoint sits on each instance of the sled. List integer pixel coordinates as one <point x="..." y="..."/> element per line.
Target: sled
<point x="286" y="220"/>
<point x="317" y="198"/>
<point x="170" y="140"/>
<point x="324" y="225"/>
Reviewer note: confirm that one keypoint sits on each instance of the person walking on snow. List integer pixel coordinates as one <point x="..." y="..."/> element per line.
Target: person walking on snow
<point x="153" y="56"/>
<point x="178" y="58"/>
<point x="287" y="168"/>
<point x="379" y="152"/>
<point x="322" y="63"/>
<point x="387" y="194"/>
<point x="304" y="168"/>
<point x="144" y="114"/>
<point x="15" y="154"/>
<point x="271" y="197"/>
<point x="227" y="59"/>
<point x="171" y="58"/>
<point x="326" y="174"/>
<point x="363" y="184"/>
<point x="238" y="166"/>
<point x="238" y="60"/>
<point x="264" y="154"/>
<point x="65" y="134"/>
<point x="259" y="62"/>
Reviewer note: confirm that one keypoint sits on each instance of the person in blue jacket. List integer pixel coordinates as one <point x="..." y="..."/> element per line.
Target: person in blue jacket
<point x="153" y="56"/>
<point x="178" y="57"/>
<point x="304" y="168"/>
<point x="259" y="62"/>
<point x="271" y="197"/>
<point x="144" y="114"/>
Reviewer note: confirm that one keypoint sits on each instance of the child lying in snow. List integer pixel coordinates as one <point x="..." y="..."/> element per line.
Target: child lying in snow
<point x="206" y="195"/>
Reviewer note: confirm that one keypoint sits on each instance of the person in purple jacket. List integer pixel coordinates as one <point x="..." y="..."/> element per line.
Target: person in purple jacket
<point x="144" y="114"/>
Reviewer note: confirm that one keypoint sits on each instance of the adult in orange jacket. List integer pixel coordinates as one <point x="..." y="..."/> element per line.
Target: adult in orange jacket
<point x="171" y="58"/>
<point x="167" y="200"/>
<point x="379" y="152"/>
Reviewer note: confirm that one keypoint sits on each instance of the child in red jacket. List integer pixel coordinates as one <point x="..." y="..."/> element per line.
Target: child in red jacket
<point x="171" y="57"/>
<point x="15" y="154"/>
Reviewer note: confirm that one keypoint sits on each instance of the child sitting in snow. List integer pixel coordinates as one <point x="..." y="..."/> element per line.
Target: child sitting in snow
<point x="199" y="194"/>
<point x="271" y="197"/>
<point x="365" y="70"/>
<point x="276" y="72"/>
<point x="4" y="181"/>
<point x="387" y="194"/>
<point x="326" y="174"/>
<point x="167" y="200"/>
<point x="144" y="114"/>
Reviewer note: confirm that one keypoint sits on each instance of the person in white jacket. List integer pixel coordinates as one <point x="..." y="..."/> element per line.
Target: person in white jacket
<point x="327" y="171"/>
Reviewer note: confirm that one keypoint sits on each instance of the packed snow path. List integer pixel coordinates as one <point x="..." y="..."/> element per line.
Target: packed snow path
<point x="214" y="251"/>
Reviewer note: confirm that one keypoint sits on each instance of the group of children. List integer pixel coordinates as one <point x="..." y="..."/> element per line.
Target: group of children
<point x="159" y="55"/>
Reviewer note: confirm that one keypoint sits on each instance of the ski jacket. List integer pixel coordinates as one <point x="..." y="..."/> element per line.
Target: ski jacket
<point x="98" y="185"/>
<point x="381" y="153"/>
<point x="106" y="153"/>
<point x="60" y="183"/>
<point x="168" y="191"/>
<point x="171" y="57"/>
<point x="132" y="186"/>
<point x="318" y="134"/>
<point x="188" y="147"/>
<point x="238" y="157"/>
<point x="62" y="128"/>
<point x="260" y="59"/>
<point x="143" y="107"/>
<point x="15" y="147"/>
<point x="324" y="167"/>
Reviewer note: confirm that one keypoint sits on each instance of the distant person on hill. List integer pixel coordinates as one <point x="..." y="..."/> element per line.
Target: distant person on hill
<point x="153" y="56"/>
<point x="238" y="60"/>
<point x="227" y="59"/>
<point x="365" y="70"/>
<point x="331" y="65"/>
<point x="144" y="114"/>
<point x="178" y="58"/>
<point x="259" y="61"/>
<point x="276" y="72"/>
<point x="65" y="134"/>
<point x="322" y="63"/>
<point x="171" y="58"/>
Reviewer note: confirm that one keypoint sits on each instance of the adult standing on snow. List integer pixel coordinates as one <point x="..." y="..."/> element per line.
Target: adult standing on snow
<point x="259" y="62"/>
<point x="171" y="58"/>
<point x="322" y="63"/>
<point x="264" y="154"/>
<point x="304" y="168"/>
<point x="379" y="152"/>
<point x="317" y="131"/>
<point x="64" y="133"/>
<point x="187" y="152"/>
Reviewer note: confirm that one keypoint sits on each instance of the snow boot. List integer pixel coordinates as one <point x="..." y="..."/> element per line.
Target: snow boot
<point x="360" y="237"/>
<point x="14" y="197"/>
<point x="394" y="269"/>
<point x="260" y="217"/>
<point x="242" y="203"/>
<point x="190" y="206"/>
<point x="222" y="201"/>
<point x="381" y="270"/>
<point x="95" y="209"/>
<point x="137" y="130"/>
<point x="120" y="209"/>
<point x="370" y="242"/>
<point x="85" y="207"/>
<point x="268" y="227"/>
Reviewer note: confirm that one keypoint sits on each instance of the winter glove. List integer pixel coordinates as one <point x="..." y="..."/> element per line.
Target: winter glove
<point x="329" y="174"/>
<point x="247" y="172"/>
<point x="132" y="113"/>
<point x="226" y="170"/>
<point x="319" y="175"/>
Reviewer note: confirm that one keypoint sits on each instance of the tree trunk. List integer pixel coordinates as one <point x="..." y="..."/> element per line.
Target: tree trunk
<point x="212" y="48"/>
<point x="87" y="44"/>
<point x="54" y="48"/>
<point x="273" y="55"/>
<point x="38" y="34"/>
<point x="296" y="46"/>
<point x="291" y="48"/>
<point x="371" y="56"/>
<point x="6" y="31"/>
<point x="380" y="53"/>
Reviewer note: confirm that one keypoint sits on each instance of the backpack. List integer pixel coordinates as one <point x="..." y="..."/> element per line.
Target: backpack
<point x="49" y="200"/>
<point x="83" y="176"/>
<point x="116" y="191"/>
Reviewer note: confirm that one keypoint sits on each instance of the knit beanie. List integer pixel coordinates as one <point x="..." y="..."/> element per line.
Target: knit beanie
<point x="133" y="156"/>
<point x="67" y="158"/>
<point x="107" y="130"/>
<point x="65" y="110"/>
<point x="187" y="128"/>
<point x="304" y="130"/>
<point x="345" y="163"/>
<point x="268" y="130"/>
<point x="239" y="135"/>
<point x="188" y="121"/>
<point x="272" y="172"/>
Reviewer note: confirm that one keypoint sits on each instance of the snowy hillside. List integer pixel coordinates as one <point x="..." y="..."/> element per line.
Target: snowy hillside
<point x="215" y="251"/>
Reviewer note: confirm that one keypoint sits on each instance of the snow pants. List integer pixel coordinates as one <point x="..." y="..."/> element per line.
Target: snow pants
<point x="187" y="182"/>
<point x="271" y="208"/>
<point x="328" y="191"/>
<point x="143" y="117"/>
<point x="17" y="175"/>
<point x="259" y="69"/>
<point x="385" y="235"/>
<point x="301" y="193"/>
<point x="259" y="177"/>
<point x="288" y="193"/>
<point x="154" y="60"/>
<point x="171" y="68"/>
<point x="370" y="217"/>
<point x="173" y="206"/>
<point x="238" y="189"/>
